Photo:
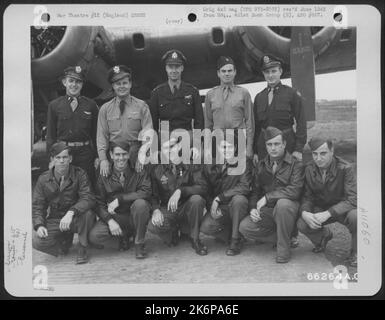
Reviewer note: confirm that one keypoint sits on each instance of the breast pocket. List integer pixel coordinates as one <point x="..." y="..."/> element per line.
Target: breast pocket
<point x="134" y="121"/>
<point x="283" y="176"/>
<point x="237" y="115"/>
<point x="85" y="119"/>
<point x="114" y="124"/>
<point x="282" y="110"/>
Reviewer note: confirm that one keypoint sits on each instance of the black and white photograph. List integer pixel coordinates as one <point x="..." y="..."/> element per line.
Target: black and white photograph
<point x="221" y="150"/>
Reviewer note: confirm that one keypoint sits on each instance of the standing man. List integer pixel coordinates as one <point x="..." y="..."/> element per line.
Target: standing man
<point x="122" y="202"/>
<point x="73" y="119"/>
<point x="122" y="118"/>
<point x="330" y="196"/>
<point x="61" y="206"/>
<point x="178" y="199"/>
<point x="176" y="101"/>
<point x="228" y="106"/>
<point x="276" y="189"/>
<point x="227" y="201"/>
<point x="278" y="106"/>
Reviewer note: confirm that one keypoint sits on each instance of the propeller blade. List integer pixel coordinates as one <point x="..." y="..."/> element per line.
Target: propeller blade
<point x="302" y="68"/>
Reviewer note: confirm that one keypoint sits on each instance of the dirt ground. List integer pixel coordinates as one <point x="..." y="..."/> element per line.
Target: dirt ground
<point x="256" y="264"/>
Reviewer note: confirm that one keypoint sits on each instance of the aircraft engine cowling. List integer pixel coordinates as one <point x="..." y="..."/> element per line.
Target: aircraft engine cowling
<point x="55" y="48"/>
<point x="260" y="40"/>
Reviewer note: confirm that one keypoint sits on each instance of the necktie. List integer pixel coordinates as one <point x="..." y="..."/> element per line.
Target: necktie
<point x="174" y="89"/>
<point x="122" y="105"/>
<point x="275" y="165"/>
<point x="61" y="182"/>
<point x="225" y="92"/>
<point x="74" y="103"/>
<point x="323" y="176"/>
<point x="270" y="95"/>
<point x="122" y="179"/>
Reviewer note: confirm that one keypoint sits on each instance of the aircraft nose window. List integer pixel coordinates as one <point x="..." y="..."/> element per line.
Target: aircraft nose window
<point x="217" y="34"/>
<point x="138" y="39"/>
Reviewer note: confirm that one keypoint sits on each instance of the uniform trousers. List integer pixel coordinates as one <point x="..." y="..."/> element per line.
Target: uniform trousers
<point x="133" y="223"/>
<point x="188" y="217"/>
<point x="276" y="225"/>
<point x="81" y="224"/>
<point x="227" y="226"/>
<point x="349" y="219"/>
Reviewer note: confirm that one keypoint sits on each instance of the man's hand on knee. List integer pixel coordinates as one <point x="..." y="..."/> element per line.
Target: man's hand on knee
<point x="42" y="232"/>
<point x="311" y="220"/>
<point x="157" y="218"/>
<point x="255" y="215"/>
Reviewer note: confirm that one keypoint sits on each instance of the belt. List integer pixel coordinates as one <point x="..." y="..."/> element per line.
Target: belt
<point x="77" y="144"/>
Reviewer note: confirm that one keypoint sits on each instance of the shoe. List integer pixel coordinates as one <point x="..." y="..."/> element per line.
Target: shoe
<point x="234" y="248"/>
<point x="258" y="242"/>
<point x="294" y="242"/>
<point x="199" y="247"/>
<point x="82" y="256"/>
<point x="280" y="259"/>
<point x="174" y="239"/>
<point x="66" y="244"/>
<point x="352" y="260"/>
<point x="324" y="241"/>
<point x="140" y="251"/>
<point x="95" y="246"/>
<point x="124" y="243"/>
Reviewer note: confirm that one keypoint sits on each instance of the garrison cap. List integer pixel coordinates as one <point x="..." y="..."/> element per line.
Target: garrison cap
<point x="271" y="132"/>
<point x="124" y="144"/>
<point x="222" y="61"/>
<point x="316" y="142"/>
<point x="119" y="72"/>
<point x="58" y="147"/>
<point x="269" y="61"/>
<point x="174" y="57"/>
<point x="74" y="72"/>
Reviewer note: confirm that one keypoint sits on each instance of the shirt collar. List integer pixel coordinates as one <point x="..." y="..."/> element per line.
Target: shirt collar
<point x="69" y="98"/>
<point x="127" y="99"/>
<point x="229" y="86"/>
<point x="276" y="87"/>
<point x="172" y="84"/>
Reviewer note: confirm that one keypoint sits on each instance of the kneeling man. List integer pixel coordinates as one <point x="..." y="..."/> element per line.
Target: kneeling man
<point x="330" y="196"/>
<point x="122" y="202"/>
<point x="177" y="199"/>
<point x="62" y="203"/>
<point x="229" y="188"/>
<point x="276" y="189"/>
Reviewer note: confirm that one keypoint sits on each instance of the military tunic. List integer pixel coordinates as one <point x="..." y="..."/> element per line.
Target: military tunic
<point x="80" y="125"/>
<point x="337" y="194"/>
<point x="234" y="112"/>
<point x="179" y="108"/>
<point x="51" y="202"/>
<point x="232" y="190"/>
<point x="113" y="126"/>
<point x="133" y="211"/>
<point x="165" y="180"/>
<point x="285" y="107"/>
<point x="282" y="190"/>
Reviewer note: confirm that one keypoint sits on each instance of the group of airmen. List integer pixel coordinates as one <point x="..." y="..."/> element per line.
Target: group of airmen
<point x="97" y="187"/>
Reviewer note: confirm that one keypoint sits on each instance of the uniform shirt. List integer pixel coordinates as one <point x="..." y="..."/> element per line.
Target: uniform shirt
<point x="75" y="195"/>
<point x="236" y="112"/>
<point x="224" y="185"/>
<point x="63" y="124"/>
<point x="113" y="126"/>
<point x="338" y="194"/>
<point x="284" y="108"/>
<point x="136" y="186"/>
<point x="187" y="178"/>
<point x="179" y="108"/>
<point x="286" y="183"/>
